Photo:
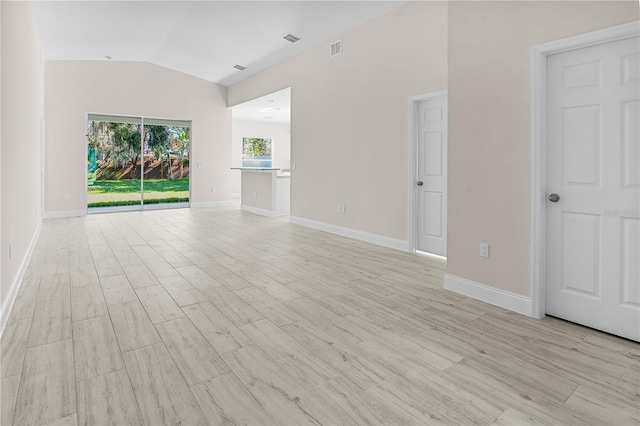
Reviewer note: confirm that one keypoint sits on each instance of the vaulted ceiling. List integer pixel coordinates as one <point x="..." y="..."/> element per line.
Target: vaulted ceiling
<point x="202" y="38"/>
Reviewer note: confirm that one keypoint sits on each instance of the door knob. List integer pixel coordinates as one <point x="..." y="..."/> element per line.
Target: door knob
<point x="420" y="183"/>
<point x="554" y="198"/>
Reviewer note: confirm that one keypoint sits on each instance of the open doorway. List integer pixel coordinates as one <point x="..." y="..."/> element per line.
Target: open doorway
<point x="261" y="151"/>
<point x="137" y="163"/>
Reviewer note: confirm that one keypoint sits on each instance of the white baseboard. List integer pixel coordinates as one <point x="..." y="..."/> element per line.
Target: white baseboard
<point x="504" y="299"/>
<point x="64" y="213"/>
<point x="261" y="212"/>
<point x="207" y="204"/>
<point x="15" y="286"/>
<point x="376" y="239"/>
<point x="236" y="195"/>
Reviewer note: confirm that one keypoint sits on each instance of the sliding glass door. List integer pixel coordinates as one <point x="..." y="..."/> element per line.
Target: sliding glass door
<point x="166" y="151"/>
<point x="135" y="163"/>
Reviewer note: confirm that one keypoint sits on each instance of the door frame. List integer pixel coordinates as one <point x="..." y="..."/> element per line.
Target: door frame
<point x="539" y="145"/>
<point x="413" y="161"/>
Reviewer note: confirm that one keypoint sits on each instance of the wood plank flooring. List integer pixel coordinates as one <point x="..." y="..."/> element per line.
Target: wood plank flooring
<point x="217" y="316"/>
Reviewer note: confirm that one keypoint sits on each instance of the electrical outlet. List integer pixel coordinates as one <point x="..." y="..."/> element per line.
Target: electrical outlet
<point x="213" y="190"/>
<point x="255" y="195"/>
<point x="484" y="250"/>
<point x="344" y="209"/>
<point x="10" y="251"/>
<point x="294" y="166"/>
<point x="66" y="196"/>
<point x="339" y="208"/>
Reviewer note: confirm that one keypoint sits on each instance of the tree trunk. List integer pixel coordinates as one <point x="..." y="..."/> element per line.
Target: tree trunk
<point x="134" y="164"/>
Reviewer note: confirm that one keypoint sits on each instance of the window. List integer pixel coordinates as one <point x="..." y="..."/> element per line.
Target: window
<point x="256" y="152"/>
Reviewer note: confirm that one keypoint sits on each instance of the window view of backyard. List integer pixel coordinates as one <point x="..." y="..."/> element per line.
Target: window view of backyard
<point x="123" y="161"/>
<point x="256" y="152"/>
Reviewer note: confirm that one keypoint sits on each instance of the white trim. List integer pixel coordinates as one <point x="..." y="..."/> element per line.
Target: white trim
<point x="539" y="142"/>
<point x="431" y="255"/>
<point x="165" y="206"/>
<point x="43" y="130"/>
<point x="207" y="204"/>
<point x="504" y="299"/>
<point x="413" y="162"/>
<point x="13" y="291"/>
<point x="376" y="239"/>
<point x="64" y="213"/>
<point x="261" y="212"/>
<point x="86" y="168"/>
<point x="236" y="195"/>
<point x="141" y="206"/>
<point x="114" y="209"/>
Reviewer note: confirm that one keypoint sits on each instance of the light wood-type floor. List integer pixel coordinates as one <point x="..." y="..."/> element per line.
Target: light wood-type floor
<point x="223" y="317"/>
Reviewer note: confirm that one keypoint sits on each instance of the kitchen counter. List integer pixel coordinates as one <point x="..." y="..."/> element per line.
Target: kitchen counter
<point x="265" y="191"/>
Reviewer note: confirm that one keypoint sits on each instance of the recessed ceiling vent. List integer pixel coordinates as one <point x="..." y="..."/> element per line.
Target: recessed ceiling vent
<point x="336" y="48"/>
<point x="240" y="67"/>
<point x="290" y="37"/>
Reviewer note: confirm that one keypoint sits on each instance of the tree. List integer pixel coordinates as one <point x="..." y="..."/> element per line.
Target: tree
<point x="257" y="147"/>
<point x="157" y="139"/>
<point x="99" y="139"/>
<point x="126" y="140"/>
<point x="97" y="135"/>
<point x="180" y="142"/>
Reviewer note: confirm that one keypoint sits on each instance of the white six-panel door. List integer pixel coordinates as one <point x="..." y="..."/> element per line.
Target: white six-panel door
<point x="432" y="175"/>
<point x="593" y="165"/>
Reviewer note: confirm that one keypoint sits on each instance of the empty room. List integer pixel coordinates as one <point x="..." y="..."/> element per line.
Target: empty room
<point x="320" y="212"/>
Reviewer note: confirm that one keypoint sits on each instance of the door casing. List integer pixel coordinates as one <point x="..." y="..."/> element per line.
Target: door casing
<point x="413" y="163"/>
<point x="539" y="145"/>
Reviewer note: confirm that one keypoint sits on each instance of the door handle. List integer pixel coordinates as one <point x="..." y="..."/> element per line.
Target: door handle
<point x="554" y="198"/>
<point x="420" y="183"/>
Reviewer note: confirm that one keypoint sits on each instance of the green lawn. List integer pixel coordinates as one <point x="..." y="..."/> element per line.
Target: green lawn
<point x="137" y="202"/>
<point x="125" y="192"/>
<point x="124" y="186"/>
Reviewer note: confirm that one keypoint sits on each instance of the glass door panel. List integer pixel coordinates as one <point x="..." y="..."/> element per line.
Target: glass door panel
<point x="166" y="150"/>
<point x="114" y="166"/>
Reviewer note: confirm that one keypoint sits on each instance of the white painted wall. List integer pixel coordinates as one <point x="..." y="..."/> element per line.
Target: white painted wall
<point x="2" y="293"/>
<point x="74" y="88"/>
<point x="281" y="144"/>
<point x="350" y="122"/>
<point x="349" y="116"/>
<point x="259" y="190"/>
<point x="21" y="112"/>
<point x="490" y="127"/>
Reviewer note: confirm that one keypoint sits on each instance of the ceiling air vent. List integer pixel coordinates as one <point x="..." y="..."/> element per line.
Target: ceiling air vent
<point x="336" y="48"/>
<point x="240" y="67"/>
<point x="290" y="37"/>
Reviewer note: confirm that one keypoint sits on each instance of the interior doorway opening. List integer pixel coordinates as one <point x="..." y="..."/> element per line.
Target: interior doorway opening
<point x="261" y="152"/>
<point x="136" y="163"/>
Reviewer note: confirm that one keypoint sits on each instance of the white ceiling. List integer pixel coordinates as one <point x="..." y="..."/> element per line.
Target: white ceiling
<point x="272" y="108"/>
<point x="202" y="38"/>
